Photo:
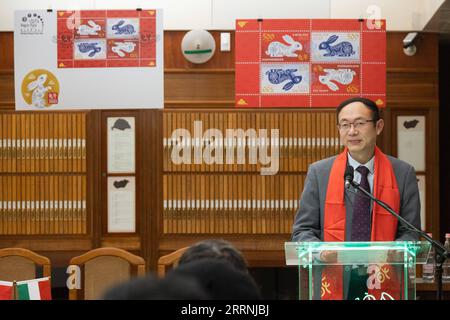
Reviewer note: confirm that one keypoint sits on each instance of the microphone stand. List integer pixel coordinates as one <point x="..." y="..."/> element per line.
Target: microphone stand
<point x="441" y="254"/>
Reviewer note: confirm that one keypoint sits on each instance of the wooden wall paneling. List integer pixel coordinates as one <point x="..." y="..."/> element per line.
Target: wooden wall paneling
<point x="151" y="214"/>
<point x="6" y="88"/>
<point x="6" y="70"/>
<point x="199" y="89"/>
<point x="95" y="198"/>
<point x="173" y="58"/>
<point x="296" y="143"/>
<point x="289" y="143"/>
<point x="205" y="222"/>
<point x="26" y="198"/>
<point x="4" y="143"/>
<point x="195" y="205"/>
<point x="175" y="203"/>
<point x="231" y="182"/>
<point x="210" y="210"/>
<point x="250" y="203"/>
<point x="6" y="195"/>
<point x="169" y="212"/>
<point x="185" y="212"/>
<point x="6" y="50"/>
<point x="3" y="205"/>
<point x="425" y="58"/>
<point x="301" y="134"/>
<point x="9" y="212"/>
<point x="223" y="217"/>
<point x="166" y="136"/>
<point x="13" y="136"/>
<point x="193" y="213"/>
<point x="34" y="219"/>
<point x="40" y="197"/>
<point x="255" y="201"/>
<point x="433" y="175"/>
<point x="324" y="136"/>
<point x="164" y="226"/>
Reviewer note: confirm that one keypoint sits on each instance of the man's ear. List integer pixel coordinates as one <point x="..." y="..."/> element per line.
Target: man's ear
<point x="379" y="126"/>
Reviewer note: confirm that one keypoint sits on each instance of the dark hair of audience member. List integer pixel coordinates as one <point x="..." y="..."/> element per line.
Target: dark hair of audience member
<point x="219" y="279"/>
<point x="174" y="287"/>
<point x="217" y="249"/>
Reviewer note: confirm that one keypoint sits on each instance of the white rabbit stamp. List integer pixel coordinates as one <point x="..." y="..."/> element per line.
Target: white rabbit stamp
<point x="121" y="47"/>
<point x="91" y="29"/>
<point x="342" y="76"/>
<point x="38" y="90"/>
<point x="277" y="49"/>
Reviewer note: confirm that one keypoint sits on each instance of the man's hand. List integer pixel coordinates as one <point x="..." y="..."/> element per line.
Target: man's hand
<point x="395" y="256"/>
<point x="328" y="256"/>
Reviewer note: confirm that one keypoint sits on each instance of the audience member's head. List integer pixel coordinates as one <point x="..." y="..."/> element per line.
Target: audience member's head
<point x="174" y="287"/>
<point x="220" y="279"/>
<point x="215" y="249"/>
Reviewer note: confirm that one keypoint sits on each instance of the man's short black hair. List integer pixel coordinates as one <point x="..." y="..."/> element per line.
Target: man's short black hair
<point x="367" y="102"/>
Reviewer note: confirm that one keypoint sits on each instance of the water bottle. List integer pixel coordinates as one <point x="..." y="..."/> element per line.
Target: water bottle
<point x="446" y="266"/>
<point x="428" y="268"/>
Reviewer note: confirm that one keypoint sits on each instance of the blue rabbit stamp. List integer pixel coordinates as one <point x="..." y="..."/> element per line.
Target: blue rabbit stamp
<point x="341" y="49"/>
<point x="277" y="76"/>
<point x="90" y="47"/>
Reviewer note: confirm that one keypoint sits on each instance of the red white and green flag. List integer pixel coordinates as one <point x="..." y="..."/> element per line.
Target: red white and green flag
<point x="6" y="289"/>
<point x="35" y="289"/>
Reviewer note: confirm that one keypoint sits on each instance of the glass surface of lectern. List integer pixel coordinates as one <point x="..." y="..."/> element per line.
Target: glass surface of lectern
<point x="357" y="270"/>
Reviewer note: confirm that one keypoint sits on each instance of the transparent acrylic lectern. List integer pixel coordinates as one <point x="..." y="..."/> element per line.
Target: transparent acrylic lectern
<point x="357" y="270"/>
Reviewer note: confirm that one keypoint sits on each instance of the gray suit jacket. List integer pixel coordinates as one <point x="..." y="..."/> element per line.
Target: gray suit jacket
<point x="308" y="224"/>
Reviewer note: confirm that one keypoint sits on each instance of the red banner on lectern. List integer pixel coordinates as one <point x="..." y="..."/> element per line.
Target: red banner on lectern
<point x="309" y="63"/>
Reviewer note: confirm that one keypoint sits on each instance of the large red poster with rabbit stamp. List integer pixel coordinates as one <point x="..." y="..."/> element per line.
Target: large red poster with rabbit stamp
<point x="309" y="63"/>
<point x="106" y="38"/>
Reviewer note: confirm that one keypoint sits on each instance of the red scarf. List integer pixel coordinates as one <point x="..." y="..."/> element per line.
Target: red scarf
<point x="384" y="225"/>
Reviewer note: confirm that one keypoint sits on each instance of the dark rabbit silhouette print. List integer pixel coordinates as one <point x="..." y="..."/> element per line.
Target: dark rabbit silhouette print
<point x="121" y="124"/>
<point x="277" y="76"/>
<point x="410" y="124"/>
<point x="342" y="49"/>
<point x="126" y="29"/>
<point x="89" y="46"/>
<point x="121" y="183"/>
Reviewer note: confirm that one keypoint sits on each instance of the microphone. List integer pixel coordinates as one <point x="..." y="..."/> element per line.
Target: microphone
<point x="348" y="176"/>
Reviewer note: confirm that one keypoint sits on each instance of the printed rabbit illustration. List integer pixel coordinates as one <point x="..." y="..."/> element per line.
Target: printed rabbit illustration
<point x="89" y="46"/>
<point x="278" y="49"/>
<point x="37" y="86"/>
<point x="342" y="49"/>
<point x="119" y="47"/>
<point x="126" y="29"/>
<point x="91" y="29"/>
<point x="277" y="76"/>
<point x="342" y="76"/>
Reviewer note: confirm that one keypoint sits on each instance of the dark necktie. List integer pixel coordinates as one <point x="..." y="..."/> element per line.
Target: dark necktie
<point x="361" y="225"/>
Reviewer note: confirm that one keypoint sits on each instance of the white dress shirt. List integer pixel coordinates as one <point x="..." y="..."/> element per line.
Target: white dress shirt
<point x="357" y="176"/>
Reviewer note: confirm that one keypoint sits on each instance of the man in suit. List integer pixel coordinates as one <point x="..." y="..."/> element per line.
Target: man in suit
<point x="330" y="212"/>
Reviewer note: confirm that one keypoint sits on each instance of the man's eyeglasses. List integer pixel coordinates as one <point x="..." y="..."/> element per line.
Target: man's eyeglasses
<point x="345" y="126"/>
